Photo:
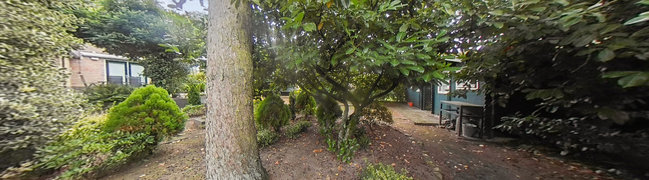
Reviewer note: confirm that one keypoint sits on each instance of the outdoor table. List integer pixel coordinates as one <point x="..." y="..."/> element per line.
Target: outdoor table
<point x="462" y="110"/>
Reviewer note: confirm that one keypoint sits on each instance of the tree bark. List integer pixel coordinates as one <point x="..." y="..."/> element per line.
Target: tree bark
<point x="231" y="143"/>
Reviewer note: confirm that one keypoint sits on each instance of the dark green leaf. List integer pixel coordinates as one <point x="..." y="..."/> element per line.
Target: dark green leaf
<point x="308" y="27"/>
<point x="403" y="27"/>
<point x="605" y="55"/>
<point x="642" y="17"/>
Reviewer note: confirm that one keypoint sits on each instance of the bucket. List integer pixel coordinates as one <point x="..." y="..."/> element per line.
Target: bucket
<point x="469" y="130"/>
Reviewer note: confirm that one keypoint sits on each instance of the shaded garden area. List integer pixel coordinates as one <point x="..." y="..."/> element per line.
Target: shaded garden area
<point x="317" y="89"/>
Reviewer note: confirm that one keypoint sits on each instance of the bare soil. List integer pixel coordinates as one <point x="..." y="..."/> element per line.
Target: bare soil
<point x="425" y="152"/>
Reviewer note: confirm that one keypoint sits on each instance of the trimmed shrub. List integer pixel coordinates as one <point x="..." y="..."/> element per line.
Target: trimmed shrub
<point x="266" y="137"/>
<point x="383" y="172"/>
<point x="107" y="95"/>
<point x="305" y="103"/>
<point x="272" y="113"/>
<point x="85" y="150"/>
<point x="194" y="94"/>
<point x="327" y="112"/>
<point x="194" y="110"/>
<point x="295" y="129"/>
<point x="147" y="110"/>
<point x="376" y="113"/>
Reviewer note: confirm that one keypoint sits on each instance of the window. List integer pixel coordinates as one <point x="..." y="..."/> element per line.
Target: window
<point x="472" y="86"/>
<point x="116" y="72"/>
<point x="137" y="75"/>
<point x="444" y="88"/>
<point x="125" y="73"/>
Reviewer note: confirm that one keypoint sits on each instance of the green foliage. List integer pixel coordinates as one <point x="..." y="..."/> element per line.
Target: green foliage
<point x="327" y="112"/>
<point x="194" y="94"/>
<point x="354" y="52"/>
<point x="575" y="71"/>
<point x="266" y="137"/>
<point x="346" y="149"/>
<point x="198" y="79"/>
<point x="331" y="143"/>
<point x="383" y="172"/>
<point x="86" y="150"/>
<point x="34" y="106"/>
<point x="291" y="104"/>
<point x="272" y="113"/>
<point x="147" y="110"/>
<point x="107" y="95"/>
<point x="164" y="42"/>
<point x="396" y="95"/>
<point x="362" y="138"/>
<point x="292" y="131"/>
<point x="194" y="110"/>
<point x="376" y="113"/>
<point x="305" y="103"/>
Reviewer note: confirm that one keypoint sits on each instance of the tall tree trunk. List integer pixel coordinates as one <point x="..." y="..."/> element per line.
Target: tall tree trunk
<point x="231" y="143"/>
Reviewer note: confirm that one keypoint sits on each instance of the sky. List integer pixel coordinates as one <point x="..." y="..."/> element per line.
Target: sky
<point x="190" y="5"/>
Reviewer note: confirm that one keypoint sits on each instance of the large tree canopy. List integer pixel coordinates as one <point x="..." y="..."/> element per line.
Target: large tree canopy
<point x="165" y="42"/>
<point x="353" y="52"/>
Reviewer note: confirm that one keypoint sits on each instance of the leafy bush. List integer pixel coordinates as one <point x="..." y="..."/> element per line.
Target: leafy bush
<point x="34" y="106"/>
<point x="383" y="172"/>
<point x="199" y="79"/>
<point x="85" y="150"/>
<point x="295" y="129"/>
<point x="194" y="110"/>
<point x="107" y="95"/>
<point x="346" y="149"/>
<point x="147" y="110"/>
<point x="272" y="113"/>
<point x="266" y="137"/>
<point x="363" y="140"/>
<point x="305" y="103"/>
<point x="327" y="112"/>
<point x="194" y="94"/>
<point x="376" y="113"/>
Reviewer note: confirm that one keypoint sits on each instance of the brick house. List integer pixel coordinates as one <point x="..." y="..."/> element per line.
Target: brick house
<point x="91" y="65"/>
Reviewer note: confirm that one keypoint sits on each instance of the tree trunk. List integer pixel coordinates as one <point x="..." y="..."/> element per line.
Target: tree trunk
<point x="231" y="143"/>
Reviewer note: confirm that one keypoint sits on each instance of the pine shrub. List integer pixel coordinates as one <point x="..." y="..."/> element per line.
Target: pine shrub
<point x="149" y="110"/>
<point x="292" y="131"/>
<point x="194" y="110"/>
<point x="272" y="113"/>
<point x="194" y="94"/>
<point x="266" y="137"/>
<point x="305" y="103"/>
<point x="291" y="104"/>
<point x="327" y="112"/>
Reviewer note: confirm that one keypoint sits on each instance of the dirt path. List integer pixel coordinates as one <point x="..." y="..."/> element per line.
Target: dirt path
<point x="460" y="158"/>
<point x="426" y="152"/>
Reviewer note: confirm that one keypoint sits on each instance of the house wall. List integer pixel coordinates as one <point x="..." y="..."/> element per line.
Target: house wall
<point x="414" y="96"/>
<point x="471" y="97"/>
<point x="92" y="70"/>
<point x="421" y="97"/>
